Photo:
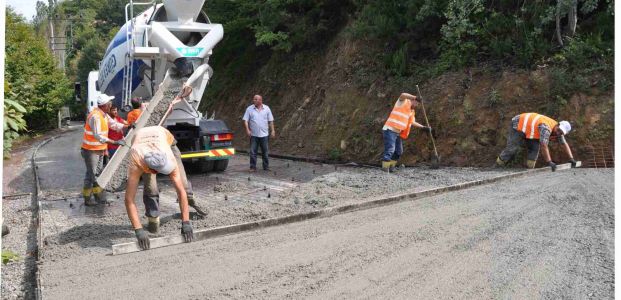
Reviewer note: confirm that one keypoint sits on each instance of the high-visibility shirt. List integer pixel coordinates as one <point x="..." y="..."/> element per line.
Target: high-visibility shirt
<point x="529" y="124"/>
<point x="133" y="116"/>
<point x="401" y="118"/>
<point x="147" y="139"/>
<point x="95" y="139"/>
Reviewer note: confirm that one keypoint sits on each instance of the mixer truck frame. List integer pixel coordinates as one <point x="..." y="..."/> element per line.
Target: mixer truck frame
<point x="173" y="39"/>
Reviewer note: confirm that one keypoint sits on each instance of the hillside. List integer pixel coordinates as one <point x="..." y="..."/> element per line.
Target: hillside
<point x="332" y="102"/>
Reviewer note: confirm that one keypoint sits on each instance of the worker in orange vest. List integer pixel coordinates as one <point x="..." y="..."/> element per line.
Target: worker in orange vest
<point x="397" y="128"/>
<point x="94" y="144"/>
<point x="136" y="111"/>
<point x="537" y="130"/>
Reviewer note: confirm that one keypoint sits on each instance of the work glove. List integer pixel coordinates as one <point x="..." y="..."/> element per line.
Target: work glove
<point x="186" y="230"/>
<point x="573" y="162"/>
<point x="143" y="239"/>
<point x="131" y="126"/>
<point x="427" y="129"/>
<point x="121" y="143"/>
<point x="552" y="165"/>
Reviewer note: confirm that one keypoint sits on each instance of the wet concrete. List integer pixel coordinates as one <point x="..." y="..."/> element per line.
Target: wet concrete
<point x="550" y="235"/>
<point x="235" y="196"/>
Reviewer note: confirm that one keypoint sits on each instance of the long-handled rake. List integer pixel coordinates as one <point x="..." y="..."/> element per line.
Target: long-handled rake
<point x="435" y="160"/>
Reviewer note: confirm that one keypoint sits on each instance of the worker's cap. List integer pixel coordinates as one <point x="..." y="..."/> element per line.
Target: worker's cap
<point x="103" y="99"/>
<point x="565" y="127"/>
<point x="159" y="161"/>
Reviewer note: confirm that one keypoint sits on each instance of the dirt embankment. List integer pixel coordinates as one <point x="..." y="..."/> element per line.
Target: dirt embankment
<point x="332" y="103"/>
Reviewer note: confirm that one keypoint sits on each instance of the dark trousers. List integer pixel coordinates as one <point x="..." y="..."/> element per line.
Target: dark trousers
<point x="393" y="146"/>
<point x="255" y="143"/>
<point x="151" y="193"/>
<point x="515" y="140"/>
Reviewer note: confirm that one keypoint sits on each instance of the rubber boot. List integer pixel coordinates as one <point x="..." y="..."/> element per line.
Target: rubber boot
<point x="393" y="166"/>
<point x="154" y="224"/>
<point x="199" y="210"/>
<point x="500" y="162"/>
<point x="100" y="195"/>
<point x="386" y="166"/>
<point x="88" y="201"/>
<point x="531" y="163"/>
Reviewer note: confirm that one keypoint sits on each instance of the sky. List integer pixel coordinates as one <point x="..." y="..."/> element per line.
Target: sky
<point x="26" y="8"/>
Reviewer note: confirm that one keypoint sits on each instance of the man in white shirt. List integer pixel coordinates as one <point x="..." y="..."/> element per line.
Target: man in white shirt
<point x="258" y="120"/>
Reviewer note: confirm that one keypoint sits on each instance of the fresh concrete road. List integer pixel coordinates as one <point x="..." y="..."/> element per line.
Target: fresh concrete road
<point x="547" y="236"/>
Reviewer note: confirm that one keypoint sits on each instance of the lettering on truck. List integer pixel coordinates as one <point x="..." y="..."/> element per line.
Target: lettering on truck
<point x="109" y="67"/>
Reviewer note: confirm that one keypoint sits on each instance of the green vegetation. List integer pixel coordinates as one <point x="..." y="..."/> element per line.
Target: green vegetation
<point x="35" y="87"/>
<point x="335" y="154"/>
<point x="9" y="256"/>
<point x="460" y="33"/>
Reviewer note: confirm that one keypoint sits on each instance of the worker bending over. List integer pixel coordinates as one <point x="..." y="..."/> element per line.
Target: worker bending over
<point x="94" y="145"/>
<point x="536" y="130"/>
<point x="397" y="127"/>
<point x="153" y="151"/>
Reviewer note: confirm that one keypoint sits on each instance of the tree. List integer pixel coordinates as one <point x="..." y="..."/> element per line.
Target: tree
<point x="33" y="79"/>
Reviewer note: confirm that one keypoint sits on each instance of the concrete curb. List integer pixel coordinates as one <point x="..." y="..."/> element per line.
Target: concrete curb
<point x="327" y="212"/>
<point x="36" y="214"/>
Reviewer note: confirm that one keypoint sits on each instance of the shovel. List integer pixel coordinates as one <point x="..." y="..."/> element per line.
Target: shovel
<point x="435" y="160"/>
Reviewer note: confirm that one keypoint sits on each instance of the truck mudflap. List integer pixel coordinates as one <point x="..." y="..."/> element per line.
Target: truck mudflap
<point x="213" y="154"/>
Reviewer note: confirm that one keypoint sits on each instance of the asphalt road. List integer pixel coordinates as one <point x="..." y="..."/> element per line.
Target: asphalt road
<point x="60" y="165"/>
<point x="547" y="236"/>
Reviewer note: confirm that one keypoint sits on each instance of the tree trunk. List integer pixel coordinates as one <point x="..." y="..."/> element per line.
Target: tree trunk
<point x="572" y="17"/>
<point x="559" y="37"/>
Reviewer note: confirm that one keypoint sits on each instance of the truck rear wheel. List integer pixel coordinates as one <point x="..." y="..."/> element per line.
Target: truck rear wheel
<point x="220" y="165"/>
<point x="205" y="166"/>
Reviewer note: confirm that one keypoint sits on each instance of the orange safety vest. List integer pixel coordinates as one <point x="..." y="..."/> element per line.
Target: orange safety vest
<point x="401" y="118"/>
<point x="133" y="116"/>
<point x="529" y="124"/>
<point x="89" y="142"/>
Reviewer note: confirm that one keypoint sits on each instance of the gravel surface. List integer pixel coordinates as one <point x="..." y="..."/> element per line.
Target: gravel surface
<point x="548" y="236"/>
<point x="18" y="275"/>
<point x="17" y="213"/>
<point x="233" y="197"/>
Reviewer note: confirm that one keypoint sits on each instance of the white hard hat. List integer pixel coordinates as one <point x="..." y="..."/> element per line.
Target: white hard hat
<point x="159" y="161"/>
<point x="103" y="99"/>
<point x="565" y="127"/>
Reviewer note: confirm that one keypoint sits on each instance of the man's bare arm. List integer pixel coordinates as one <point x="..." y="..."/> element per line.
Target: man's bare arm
<point x="130" y="195"/>
<point x="272" y="128"/>
<point x="418" y="125"/>
<point x="247" y="128"/>
<point x="181" y="194"/>
<point x="568" y="150"/>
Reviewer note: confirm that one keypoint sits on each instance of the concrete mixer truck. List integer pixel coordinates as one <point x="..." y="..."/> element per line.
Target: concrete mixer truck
<point x="173" y="39"/>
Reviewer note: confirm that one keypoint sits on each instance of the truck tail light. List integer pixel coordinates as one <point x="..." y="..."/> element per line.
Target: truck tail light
<point x="221" y="137"/>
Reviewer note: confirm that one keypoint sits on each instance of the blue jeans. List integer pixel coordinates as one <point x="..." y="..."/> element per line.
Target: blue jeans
<point x="255" y="143"/>
<point x="393" y="146"/>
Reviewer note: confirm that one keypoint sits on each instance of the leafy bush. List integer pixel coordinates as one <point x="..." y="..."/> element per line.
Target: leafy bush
<point x="34" y="80"/>
<point x="14" y="123"/>
<point x="335" y="154"/>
